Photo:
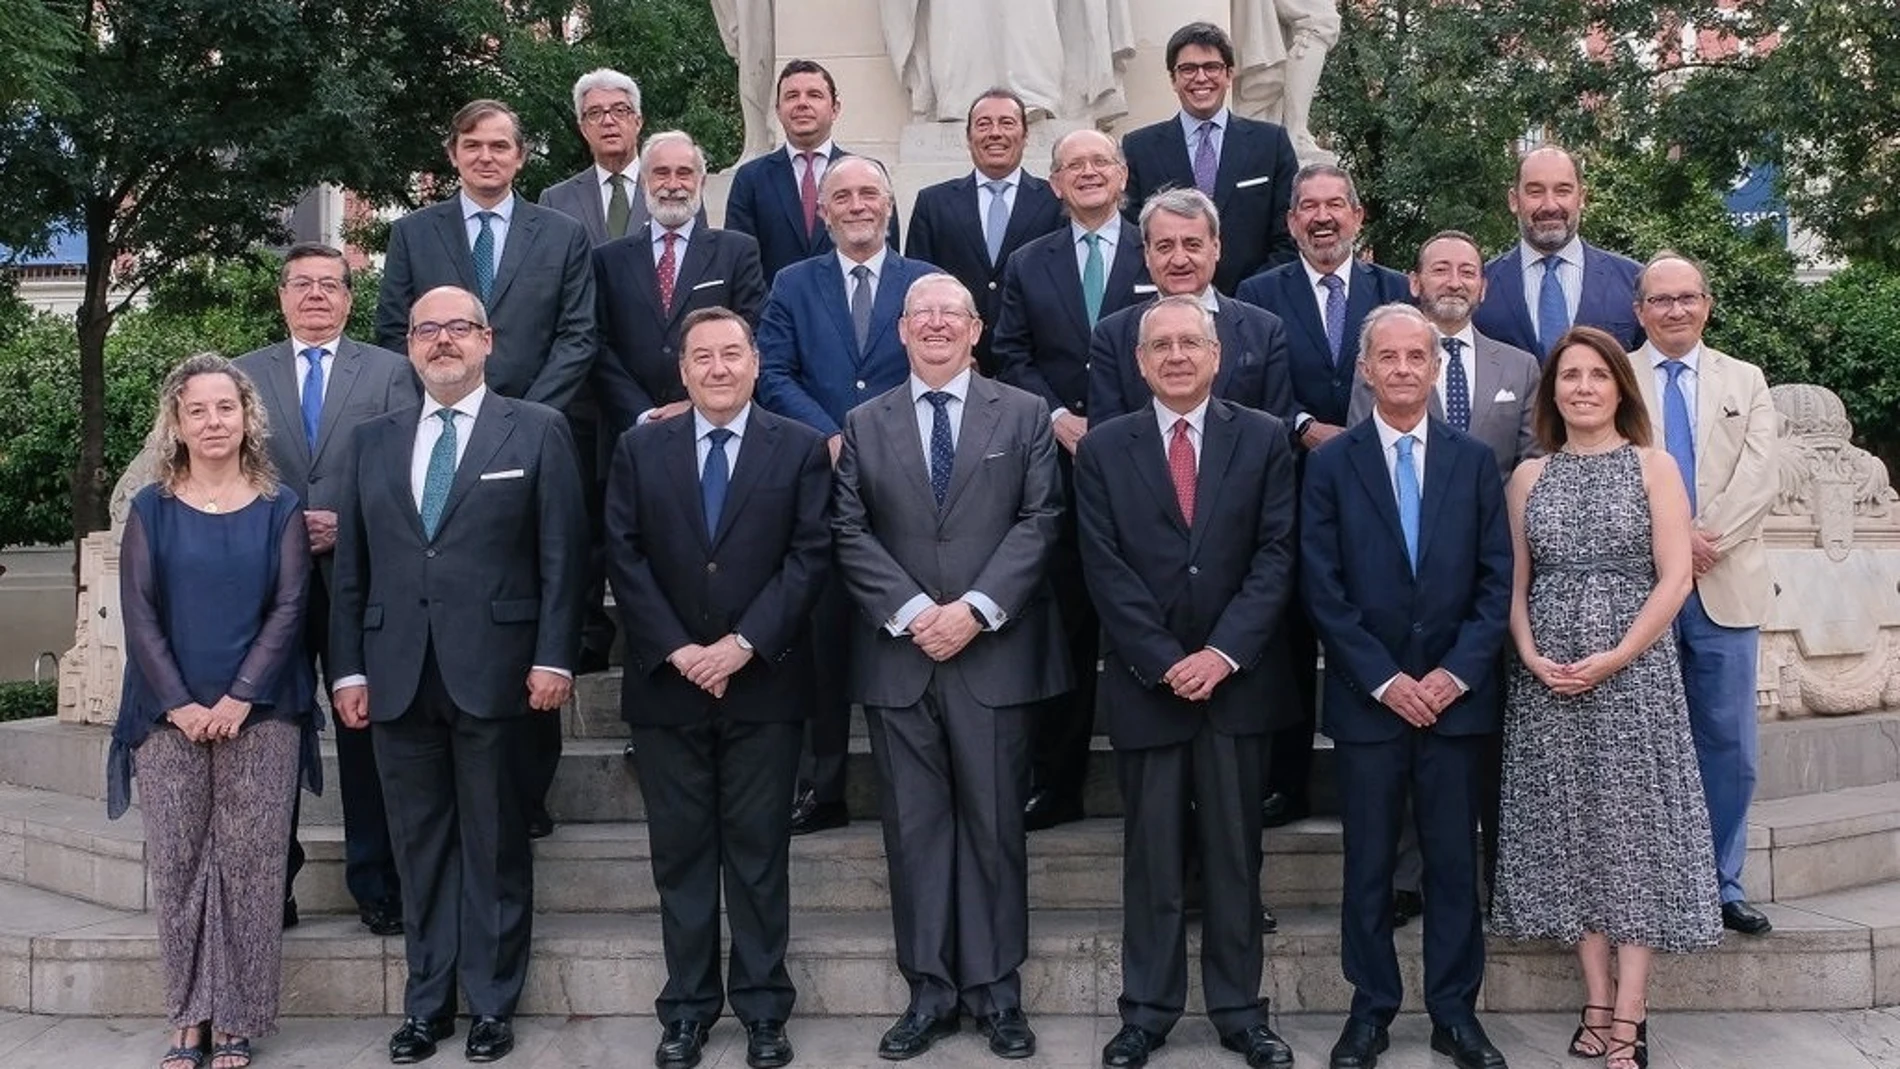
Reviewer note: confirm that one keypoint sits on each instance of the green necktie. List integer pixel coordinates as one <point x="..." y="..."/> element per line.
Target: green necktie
<point x="439" y="475"/>
<point x="1094" y="278"/>
<point x="618" y="210"/>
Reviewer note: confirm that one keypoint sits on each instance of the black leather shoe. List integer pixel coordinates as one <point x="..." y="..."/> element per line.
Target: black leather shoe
<point x="1261" y="1047"/>
<point x="1130" y="1047"/>
<point x="1045" y="809"/>
<point x="1359" y="1046"/>
<point x="540" y="825"/>
<point x="628" y="753"/>
<point x="1468" y="1046"/>
<point x="489" y="1038"/>
<point x="810" y="815"/>
<point x="417" y="1037"/>
<point x="913" y="1034"/>
<point x="680" y="1044"/>
<point x="290" y="912"/>
<point x="382" y="918"/>
<point x="1010" y="1036"/>
<point x="1739" y="916"/>
<point x="1277" y="810"/>
<point x="1269" y="923"/>
<point x="766" y="1045"/>
<point x="1405" y="906"/>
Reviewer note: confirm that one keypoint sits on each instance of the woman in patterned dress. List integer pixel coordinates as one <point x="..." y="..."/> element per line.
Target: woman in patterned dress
<point x="1603" y="832"/>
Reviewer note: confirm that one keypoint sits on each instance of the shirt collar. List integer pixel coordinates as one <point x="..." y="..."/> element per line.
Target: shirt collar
<point x="506" y="209"/>
<point x="1691" y="359"/>
<point x="1210" y="299"/>
<point x="875" y="263"/>
<point x="1313" y="276"/>
<point x="824" y="151"/>
<point x="1012" y="179"/>
<point x="470" y="406"/>
<point x="1191" y="126"/>
<point x="1467" y="335"/>
<point x="656" y="233"/>
<point x="958" y="387"/>
<point x="1110" y="231"/>
<point x="703" y="426"/>
<point x="298" y="345"/>
<point x="632" y="174"/>
<point x="1571" y="253"/>
<point x="1165" y="417"/>
<point x="1389" y="435"/>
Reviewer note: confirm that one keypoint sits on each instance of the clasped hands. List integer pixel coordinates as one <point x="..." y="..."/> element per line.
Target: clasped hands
<point x="710" y="667"/>
<point x="220" y="721"/>
<point x="547" y="691"/>
<point x="941" y="631"/>
<point x="1195" y="676"/>
<point x="1419" y="701"/>
<point x="1576" y="677"/>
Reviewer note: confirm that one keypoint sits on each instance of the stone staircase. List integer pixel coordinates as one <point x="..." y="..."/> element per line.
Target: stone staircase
<point x="75" y="937"/>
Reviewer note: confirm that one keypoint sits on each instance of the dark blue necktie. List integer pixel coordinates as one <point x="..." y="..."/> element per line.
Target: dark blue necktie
<point x="485" y="257"/>
<point x="1457" y="389"/>
<point x="713" y="480"/>
<point x="1553" y="309"/>
<point x="943" y="452"/>
<point x="1335" y="314"/>
<point x="1678" y="431"/>
<point x="312" y="396"/>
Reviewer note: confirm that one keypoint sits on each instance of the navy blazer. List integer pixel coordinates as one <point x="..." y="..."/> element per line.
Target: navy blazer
<point x="637" y="366"/>
<point x="1253" y="368"/>
<point x="1165" y="590"/>
<point x="1252" y="189"/>
<point x="810" y="367"/>
<point x="1322" y="388"/>
<point x="1042" y="333"/>
<point x="947" y="230"/>
<point x="764" y="203"/>
<point x="759" y="574"/>
<point x="1373" y="615"/>
<point x="1608" y="300"/>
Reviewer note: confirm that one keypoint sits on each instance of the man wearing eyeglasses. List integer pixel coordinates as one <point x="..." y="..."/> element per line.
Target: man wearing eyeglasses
<point x="606" y="198"/>
<point x="317" y="386"/>
<point x="1245" y="166"/>
<point x="1714" y="415"/>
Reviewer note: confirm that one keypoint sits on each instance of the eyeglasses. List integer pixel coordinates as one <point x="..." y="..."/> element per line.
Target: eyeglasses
<point x="457" y="328"/>
<point x="1191" y="345"/>
<point x="948" y="315"/>
<point x="1213" y="68"/>
<point x="1662" y="302"/>
<point x="1090" y="163"/>
<point x="594" y="116"/>
<point x="304" y="284"/>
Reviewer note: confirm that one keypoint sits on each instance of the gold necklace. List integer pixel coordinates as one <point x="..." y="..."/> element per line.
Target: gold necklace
<point x="210" y="499"/>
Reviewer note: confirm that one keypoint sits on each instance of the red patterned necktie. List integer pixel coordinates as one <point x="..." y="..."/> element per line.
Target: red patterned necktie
<point x="808" y="190"/>
<point x="1181" y="468"/>
<point x="665" y="270"/>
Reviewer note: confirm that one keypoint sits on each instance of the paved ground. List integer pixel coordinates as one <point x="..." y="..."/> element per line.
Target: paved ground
<point x="1863" y="1040"/>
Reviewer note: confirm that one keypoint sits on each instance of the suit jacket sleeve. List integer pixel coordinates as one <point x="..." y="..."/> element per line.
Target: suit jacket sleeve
<point x="349" y="574"/>
<point x="1132" y="619"/>
<point x="1011" y="341"/>
<point x="1276" y="377"/>
<point x="1359" y="653"/>
<point x="783" y="606"/>
<point x="573" y="348"/>
<point x="1474" y="656"/>
<point x="877" y="583"/>
<point x="1736" y="511"/>
<point x="780" y="365"/>
<point x="1248" y="622"/>
<point x="1016" y="568"/>
<point x="620" y="393"/>
<point x="396" y="293"/>
<point x="562" y="544"/>
<point x="1105" y="374"/>
<point x="741" y="213"/>
<point x="653" y="629"/>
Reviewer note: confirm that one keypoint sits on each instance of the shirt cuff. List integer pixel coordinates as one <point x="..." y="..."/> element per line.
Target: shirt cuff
<point x="551" y="668"/>
<point x="645" y="417"/>
<point x="349" y="681"/>
<point x="993" y="613"/>
<point x="1058" y="413"/>
<point x="742" y="642"/>
<point x="1462" y="688"/>
<point x="1378" y="692"/>
<point x="1232" y="665"/>
<point x="901" y="619"/>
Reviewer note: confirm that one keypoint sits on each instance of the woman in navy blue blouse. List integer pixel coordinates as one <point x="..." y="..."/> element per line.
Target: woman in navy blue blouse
<point x="218" y="714"/>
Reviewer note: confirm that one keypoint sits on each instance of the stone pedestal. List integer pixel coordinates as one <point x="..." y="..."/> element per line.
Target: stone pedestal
<point x="90" y="673"/>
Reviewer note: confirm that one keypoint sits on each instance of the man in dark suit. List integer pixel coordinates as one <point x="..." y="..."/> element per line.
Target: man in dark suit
<point x="1322" y="297"/>
<point x="316" y="387"/>
<point x="1554" y="279"/>
<point x="1246" y="166"/>
<point x="970" y="226"/>
<point x="947" y="507"/>
<point x="607" y="198"/>
<point x="650" y="282"/>
<point x="460" y="559"/>
<point x="775" y="197"/>
<point x="1405" y="554"/>
<point x="1186" y="510"/>
<point x="719" y="539"/>
<point x="828" y="341"/>
<point x="1055" y="290"/>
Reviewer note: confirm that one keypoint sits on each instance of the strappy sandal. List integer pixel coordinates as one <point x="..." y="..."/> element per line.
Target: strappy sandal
<point x="1595" y="1033"/>
<point x="193" y="1055"/>
<point x="1628" y="1053"/>
<point x="236" y="1047"/>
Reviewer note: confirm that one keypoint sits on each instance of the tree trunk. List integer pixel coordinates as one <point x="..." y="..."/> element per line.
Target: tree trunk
<point x="91" y="482"/>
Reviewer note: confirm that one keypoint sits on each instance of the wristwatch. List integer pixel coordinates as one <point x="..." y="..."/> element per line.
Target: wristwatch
<point x="981" y="623"/>
<point x="1302" y="421"/>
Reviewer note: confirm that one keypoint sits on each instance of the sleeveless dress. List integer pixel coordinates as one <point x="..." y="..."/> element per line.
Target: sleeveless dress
<point x="1602" y="824"/>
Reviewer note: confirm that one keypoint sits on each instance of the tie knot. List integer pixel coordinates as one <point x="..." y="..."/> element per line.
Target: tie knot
<point x="669" y="236"/>
<point x="719" y="436"/>
<point x="997" y="186"/>
<point x="1208" y="129"/>
<point x="1405" y="444"/>
<point x="1092" y="239"/>
<point x="1181" y="427"/>
<point x="939" y="398"/>
<point x="487" y="217"/>
<point x="808" y="157"/>
<point x="313" y="354"/>
<point x="1551" y="263"/>
<point x="861" y="273"/>
<point x="447" y="416"/>
<point x="618" y="181"/>
<point x="1675" y="369"/>
<point x="1454" y="346"/>
<point x="1332" y="282"/>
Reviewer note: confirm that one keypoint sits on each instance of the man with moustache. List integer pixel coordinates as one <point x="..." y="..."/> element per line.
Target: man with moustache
<point x="1186" y="512"/>
<point x="1055" y="290"/>
<point x="719" y="541"/>
<point x="775" y="198"/>
<point x="606" y="198"/>
<point x="316" y="387"/>
<point x="454" y="619"/>
<point x="970" y="226"/>
<point x="947" y="507"/>
<point x="828" y="342"/>
<point x="1405" y="559"/>
<point x="1555" y="280"/>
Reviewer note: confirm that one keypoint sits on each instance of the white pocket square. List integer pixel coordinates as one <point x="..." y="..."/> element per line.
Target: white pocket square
<point x="1505" y="396"/>
<point x="511" y="473"/>
<point x="1247" y="182"/>
<point x="709" y="283"/>
<point x="993" y="456"/>
<point x="1145" y="287"/>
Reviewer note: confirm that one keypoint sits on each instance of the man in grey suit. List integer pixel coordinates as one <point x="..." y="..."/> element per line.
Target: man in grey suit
<point x="460" y="552"/>
<point x="948" y="505"/>
<point x="606" y="198"/>
<point x="317" y="386"/>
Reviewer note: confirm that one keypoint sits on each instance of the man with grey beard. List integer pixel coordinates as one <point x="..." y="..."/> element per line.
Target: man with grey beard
<point x="649" y="280"/>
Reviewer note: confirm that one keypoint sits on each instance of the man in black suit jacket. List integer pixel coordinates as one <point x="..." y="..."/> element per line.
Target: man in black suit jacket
<point x="607" y="198"/>
<point x="719" y="539"/>
<point x="637" y="371"/>
<point x="1244" y="165"/>
<point x="1186" y="510"/>
<point x="1406" y="561"/>
<point x="1055" y="290"/>
<point x="460" y="558"/>
<point x="316" y="387"/>
<point x="774" y="197"/>
<point x="970" y="226"/>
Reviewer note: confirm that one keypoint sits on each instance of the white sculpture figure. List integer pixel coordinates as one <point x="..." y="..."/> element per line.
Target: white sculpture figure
<point x="1063" y="57"/>
<point x="746" y="29"/>
<point x="1282" y="47"/>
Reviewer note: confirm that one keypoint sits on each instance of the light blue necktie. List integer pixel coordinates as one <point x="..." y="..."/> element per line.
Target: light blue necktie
<point x="484" y="257"/>
<point x="943" y="451"/>
<point x="1553" y="310"/>
<point x="997" y="221"/>
<point x="440" y="476"/>
<point x="1457" y="390"/>
<point x="1408" y="499"/>
<point x="714" y="479"/>
<point x="1094" y="277"/>
<point x="312" y="396"/>
<point x="1678" y="431"/>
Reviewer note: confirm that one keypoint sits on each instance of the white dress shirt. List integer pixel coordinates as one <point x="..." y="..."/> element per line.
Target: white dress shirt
<point x="1467" y="359"/>
<point x="1011" y="182"/>
<point x="327" y="362"/>
<point x="703" y="445"/>
<point x="875" y="263"/>
<point x="1319" y="291"/>
<point x="604" y="183"/>
<point x="1569" y="272"/>
<point x="505" y="217"/>
<point x="1691" y="378"/>
<point x="1191" y="127"/>
<point x="958" y="388"/>
<point x="819" y="165"/>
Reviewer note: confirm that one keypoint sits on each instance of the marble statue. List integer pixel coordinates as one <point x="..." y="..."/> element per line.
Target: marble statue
<point x="1064" y="57"/>
<point x="747" y="31"/>
<point x="1281" y="48"/>
<point x="89" y="673"/>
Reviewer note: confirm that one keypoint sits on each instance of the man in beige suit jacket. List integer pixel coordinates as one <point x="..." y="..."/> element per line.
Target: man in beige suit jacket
<point x="1713" y="414"/>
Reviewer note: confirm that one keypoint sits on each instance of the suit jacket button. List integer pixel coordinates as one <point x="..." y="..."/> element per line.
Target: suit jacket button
<point x="860" y="384"/>
<point x="712" y="567"/>
<point x="430" y="553"/>
<point x="992" y="283"/>
<point x="1194" y="569"/>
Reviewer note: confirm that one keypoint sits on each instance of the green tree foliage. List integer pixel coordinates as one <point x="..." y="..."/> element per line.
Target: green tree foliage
<point x="1854" y="324"/>
<point x="38" y="39"/>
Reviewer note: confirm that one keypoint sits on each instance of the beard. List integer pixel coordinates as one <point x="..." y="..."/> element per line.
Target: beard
<point x="672" y="214"/>
<point x="1547" y="235"/>
<point x="1450" y="308"/>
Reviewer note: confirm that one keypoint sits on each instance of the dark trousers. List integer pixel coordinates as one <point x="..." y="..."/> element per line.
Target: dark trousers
<point x="720" y="795"/>
<point x="1290" y="757"/>
<point x="1439" y="773"/>
<point x="828" y="732"/>
<point x="1065" y="724"/>
<point x="1200" y="796"/>
<point x="951" y="777"/>
<point x="462" y="848"/>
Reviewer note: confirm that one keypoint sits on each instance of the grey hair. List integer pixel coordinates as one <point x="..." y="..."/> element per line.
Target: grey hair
<point x="883" y="175"/>
<point x="605" y="78"/>
<point x="1325" y="170"/>
<point x="1384" y="312"/>
<point x="1187" y="203"/>
<point x="671" y="137"/>
<point x="1179" y="300"/>
<point x="940" y="278"/>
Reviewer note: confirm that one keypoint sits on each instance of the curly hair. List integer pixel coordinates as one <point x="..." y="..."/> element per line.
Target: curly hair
<point x="172" y="464"/>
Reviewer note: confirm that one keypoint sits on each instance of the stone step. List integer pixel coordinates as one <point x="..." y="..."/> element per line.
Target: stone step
<point x="1819" y="843"/>
<point x="62" y="956"/>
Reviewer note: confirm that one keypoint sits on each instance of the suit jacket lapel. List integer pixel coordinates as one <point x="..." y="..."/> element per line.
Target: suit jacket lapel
<point x="344" y="369"/>
<point x="980" y="416"/>
<point x="1511" y="292"/>
<point x="493" y="426"/>
<point x="898" y="414"/>
<point x="1147" y="456"/>
<point x="1231" y="347"/>
<point x="282" y="384"/>
<point x="681" y="453"/>
<point x="1303" y="307"/>
<point x="832" y="281"/>
<point x="1217" y="452"/>
<point x="1124" y="273"/>
<point x="1361" y="297"/>
<point x="1235" y="150"/>
<point x="1486" y="373"/>
<point x="593" y="217"/>
<point x="967" y="222"/>
<point x="782" y="181"/>
<point x="699" y="254"/>
<point x="522" y="230"/>
<point x="1368" y="459"/>
<point x="646" y="273"/>
<point x="1066" y="280"/>
<point x="453" y="232"/>
<point x="400" y="436"/>
<point x="756" y="450"/>
<point x="1029" y="193"/>
<point x="1439" y="461"/>
<point x="888" y="304"/>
